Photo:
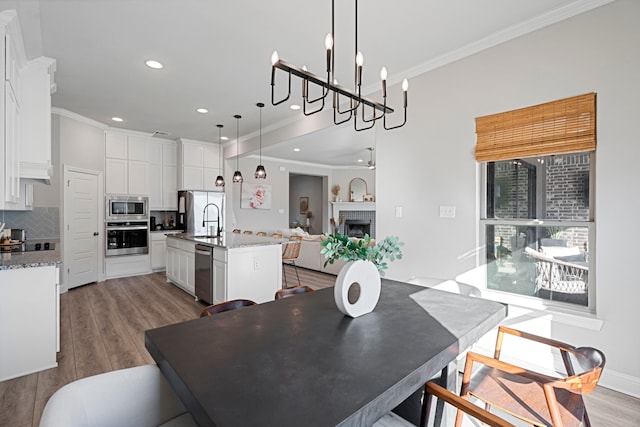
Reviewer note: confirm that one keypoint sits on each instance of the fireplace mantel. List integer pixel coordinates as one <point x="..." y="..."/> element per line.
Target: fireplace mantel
<point x="351" y="206"/>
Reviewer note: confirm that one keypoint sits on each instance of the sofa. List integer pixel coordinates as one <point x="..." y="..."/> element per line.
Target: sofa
<point x="310" y="256"/>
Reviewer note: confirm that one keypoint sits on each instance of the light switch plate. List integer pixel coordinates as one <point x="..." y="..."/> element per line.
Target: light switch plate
<point x="398" y="211"/>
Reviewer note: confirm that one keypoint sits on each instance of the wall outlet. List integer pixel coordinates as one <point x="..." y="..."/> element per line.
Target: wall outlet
<point x="447" y="211"/>
<point x="398" y="211"/>
<point x="257" y="265"/>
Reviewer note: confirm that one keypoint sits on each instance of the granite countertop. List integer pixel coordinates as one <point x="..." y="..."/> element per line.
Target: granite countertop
<point x="12" y="260"/>
<point x="229" y="240"/>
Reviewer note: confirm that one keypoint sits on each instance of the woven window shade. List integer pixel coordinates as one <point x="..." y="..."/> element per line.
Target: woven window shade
<point x="563" y="126"/>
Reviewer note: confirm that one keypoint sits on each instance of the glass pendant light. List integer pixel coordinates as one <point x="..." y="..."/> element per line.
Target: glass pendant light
<point x="220" y="178"/>
<point x="261" y="173"/>
<point x="237" y="175"/>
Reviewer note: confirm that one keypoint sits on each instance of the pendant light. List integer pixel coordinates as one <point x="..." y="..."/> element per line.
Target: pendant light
<point x="237" y="175"/>
<point x="220" y="178"/>
<point x="261" y="173"/>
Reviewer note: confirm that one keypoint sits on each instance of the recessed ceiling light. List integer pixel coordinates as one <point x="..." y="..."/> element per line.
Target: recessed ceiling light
<point x="202" y="110"/>
<point x="296" y="149"/>
<point x="360" y="160"/>
<point x="225" y="138"/>
<point x="117" y="119"/>
<point x="153" y="64"/>
<point x="294" y="107"/>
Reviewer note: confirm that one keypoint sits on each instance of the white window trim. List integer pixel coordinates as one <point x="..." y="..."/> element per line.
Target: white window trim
<point x="533" y="307"/>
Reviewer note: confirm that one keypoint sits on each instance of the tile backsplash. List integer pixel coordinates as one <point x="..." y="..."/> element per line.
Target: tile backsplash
<point x="40" y="223"/>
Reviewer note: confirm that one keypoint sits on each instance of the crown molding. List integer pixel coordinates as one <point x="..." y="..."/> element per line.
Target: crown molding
<point x="77" y="117"/>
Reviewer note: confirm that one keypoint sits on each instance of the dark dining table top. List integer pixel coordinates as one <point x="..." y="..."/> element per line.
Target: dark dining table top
<point x="299" y="361"/>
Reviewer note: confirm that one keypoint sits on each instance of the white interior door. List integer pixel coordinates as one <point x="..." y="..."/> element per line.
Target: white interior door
<point x="81" y="227"/>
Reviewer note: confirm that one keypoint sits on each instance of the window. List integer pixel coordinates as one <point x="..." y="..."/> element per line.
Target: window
<point x="538" y="225"/>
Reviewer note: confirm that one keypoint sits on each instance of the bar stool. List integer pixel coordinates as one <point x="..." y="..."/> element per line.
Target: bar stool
<point x="226" y="306"/>
<point x="247" y="232"/>
<point x="290" y="253"/>
<point x="293" y="291"/>
<point x="236" y="231"/>
<point x="261" y="233"/>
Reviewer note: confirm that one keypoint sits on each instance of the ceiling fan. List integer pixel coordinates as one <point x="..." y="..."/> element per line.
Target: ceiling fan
<point x="371" y="164"/>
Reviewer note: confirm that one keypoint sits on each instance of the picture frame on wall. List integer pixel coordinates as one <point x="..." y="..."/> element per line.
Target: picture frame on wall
<point x="304" y="205"/>
<point x="255" y="196"/>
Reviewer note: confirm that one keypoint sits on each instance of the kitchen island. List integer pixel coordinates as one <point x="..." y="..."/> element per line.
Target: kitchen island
<point x="29" y="312"/>
<point x="242" y="266"/>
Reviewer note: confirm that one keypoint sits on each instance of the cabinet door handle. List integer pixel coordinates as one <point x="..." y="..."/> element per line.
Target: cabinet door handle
<point x="95" y="233"/>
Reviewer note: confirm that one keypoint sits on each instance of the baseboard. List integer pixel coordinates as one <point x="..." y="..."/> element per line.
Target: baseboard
<point x="618" y="381"/>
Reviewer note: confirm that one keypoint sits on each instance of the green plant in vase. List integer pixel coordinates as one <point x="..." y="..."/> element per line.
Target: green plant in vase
<point x="340" y="247"/>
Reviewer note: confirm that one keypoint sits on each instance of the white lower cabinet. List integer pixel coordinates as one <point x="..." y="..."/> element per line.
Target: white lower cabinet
<point x="126" y="265"/>
<point x="30" y="322"/>
<point x="219" y="275"/>
<point x="158" y="251"/>
<point x="181" y="263"/>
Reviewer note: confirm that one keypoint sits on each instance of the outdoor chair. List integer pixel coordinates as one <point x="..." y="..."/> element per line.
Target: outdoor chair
<point x="561" y="280"/>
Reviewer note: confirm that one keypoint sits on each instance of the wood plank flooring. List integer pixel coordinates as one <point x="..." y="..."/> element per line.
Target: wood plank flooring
<point x="102" y="329"/>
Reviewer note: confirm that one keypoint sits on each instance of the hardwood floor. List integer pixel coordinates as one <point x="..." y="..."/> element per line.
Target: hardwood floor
<point x="102" y="329"/>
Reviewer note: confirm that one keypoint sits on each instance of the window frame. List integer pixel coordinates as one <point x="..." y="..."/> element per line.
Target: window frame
<point x="535" y="302"/>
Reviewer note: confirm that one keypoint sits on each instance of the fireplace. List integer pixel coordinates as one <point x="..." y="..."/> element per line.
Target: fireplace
<point x="357" y="227"/>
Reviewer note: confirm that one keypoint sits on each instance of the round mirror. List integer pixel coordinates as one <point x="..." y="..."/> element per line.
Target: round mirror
<point x="357" y="190"/>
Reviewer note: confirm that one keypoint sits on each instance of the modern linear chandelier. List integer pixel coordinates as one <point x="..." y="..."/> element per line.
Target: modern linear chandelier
<point x="357" y="103"/>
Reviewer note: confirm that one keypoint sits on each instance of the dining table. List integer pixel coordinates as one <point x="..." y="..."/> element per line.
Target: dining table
<point x="300" y="362"/>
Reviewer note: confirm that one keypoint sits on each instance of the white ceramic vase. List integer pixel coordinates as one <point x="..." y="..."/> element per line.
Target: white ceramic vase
<point x="357" y="273"/>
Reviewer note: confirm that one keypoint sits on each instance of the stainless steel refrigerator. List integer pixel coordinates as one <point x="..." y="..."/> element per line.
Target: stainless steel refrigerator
<point x="201" y="212"/>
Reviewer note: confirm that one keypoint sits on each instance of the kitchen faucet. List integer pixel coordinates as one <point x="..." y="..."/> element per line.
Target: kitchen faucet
<point x="218" y="227"/>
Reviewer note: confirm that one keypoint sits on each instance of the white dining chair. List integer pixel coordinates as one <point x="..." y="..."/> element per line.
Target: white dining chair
<point x="133" y="397"/>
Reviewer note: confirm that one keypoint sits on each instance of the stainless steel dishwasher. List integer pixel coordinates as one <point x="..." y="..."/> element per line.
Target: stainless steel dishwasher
<point x="204" y="275"/>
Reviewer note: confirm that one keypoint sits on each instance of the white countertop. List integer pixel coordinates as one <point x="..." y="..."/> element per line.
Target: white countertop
<point x="229" y="240"/>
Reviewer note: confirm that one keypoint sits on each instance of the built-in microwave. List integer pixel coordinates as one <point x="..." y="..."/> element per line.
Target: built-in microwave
<point x="127" y="208"/>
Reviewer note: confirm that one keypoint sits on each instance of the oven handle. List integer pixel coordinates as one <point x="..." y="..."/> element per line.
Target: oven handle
<point x="127" y="228"/>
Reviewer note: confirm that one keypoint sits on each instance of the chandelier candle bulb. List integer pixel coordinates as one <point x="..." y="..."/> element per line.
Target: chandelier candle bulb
<point x="405" y="88"/>
<point x="359" y="63"/>
<point x="383" y="77"/>
<point x="328" y="43"/>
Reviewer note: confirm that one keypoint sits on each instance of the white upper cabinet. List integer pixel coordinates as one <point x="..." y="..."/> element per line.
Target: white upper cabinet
<point x="163" y="184"/>
<point x="198" y="165"/>
<point x="126" y="164"/>
<point x="36" y="81"/>
<point x="116" y="146"/>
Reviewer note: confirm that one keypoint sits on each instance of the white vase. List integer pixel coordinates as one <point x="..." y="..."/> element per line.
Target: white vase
<point x="357" y="273"/>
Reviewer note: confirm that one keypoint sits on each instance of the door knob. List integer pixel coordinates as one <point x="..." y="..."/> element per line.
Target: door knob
<point x="95" y="233"/>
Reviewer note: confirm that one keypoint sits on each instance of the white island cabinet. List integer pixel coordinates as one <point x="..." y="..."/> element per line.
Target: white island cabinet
<point x="29" y="320"/>
<point x="181" y="264"/>
<point x="243" y="267"/>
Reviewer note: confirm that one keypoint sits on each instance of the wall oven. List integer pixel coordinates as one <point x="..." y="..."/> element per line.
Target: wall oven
<point x="127" y="238"/>
<point x="127" y="208"/>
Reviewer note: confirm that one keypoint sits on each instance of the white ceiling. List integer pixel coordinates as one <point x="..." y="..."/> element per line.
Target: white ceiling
<point x="216" y="54"/>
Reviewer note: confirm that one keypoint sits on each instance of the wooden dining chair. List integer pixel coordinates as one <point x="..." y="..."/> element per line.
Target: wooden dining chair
<point x="290" y="253"/>
<point x="463" y="406"/>
<point x="247" y="232"/>
<point x="277" y="235"/>
<point x="535" y="398"/>
<point x="236" y="231"/>
<point x="293" y="291"/>
<point x="261" y="233"/>
<point x="432" y="390"/>
<point x="226" y="306"/>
